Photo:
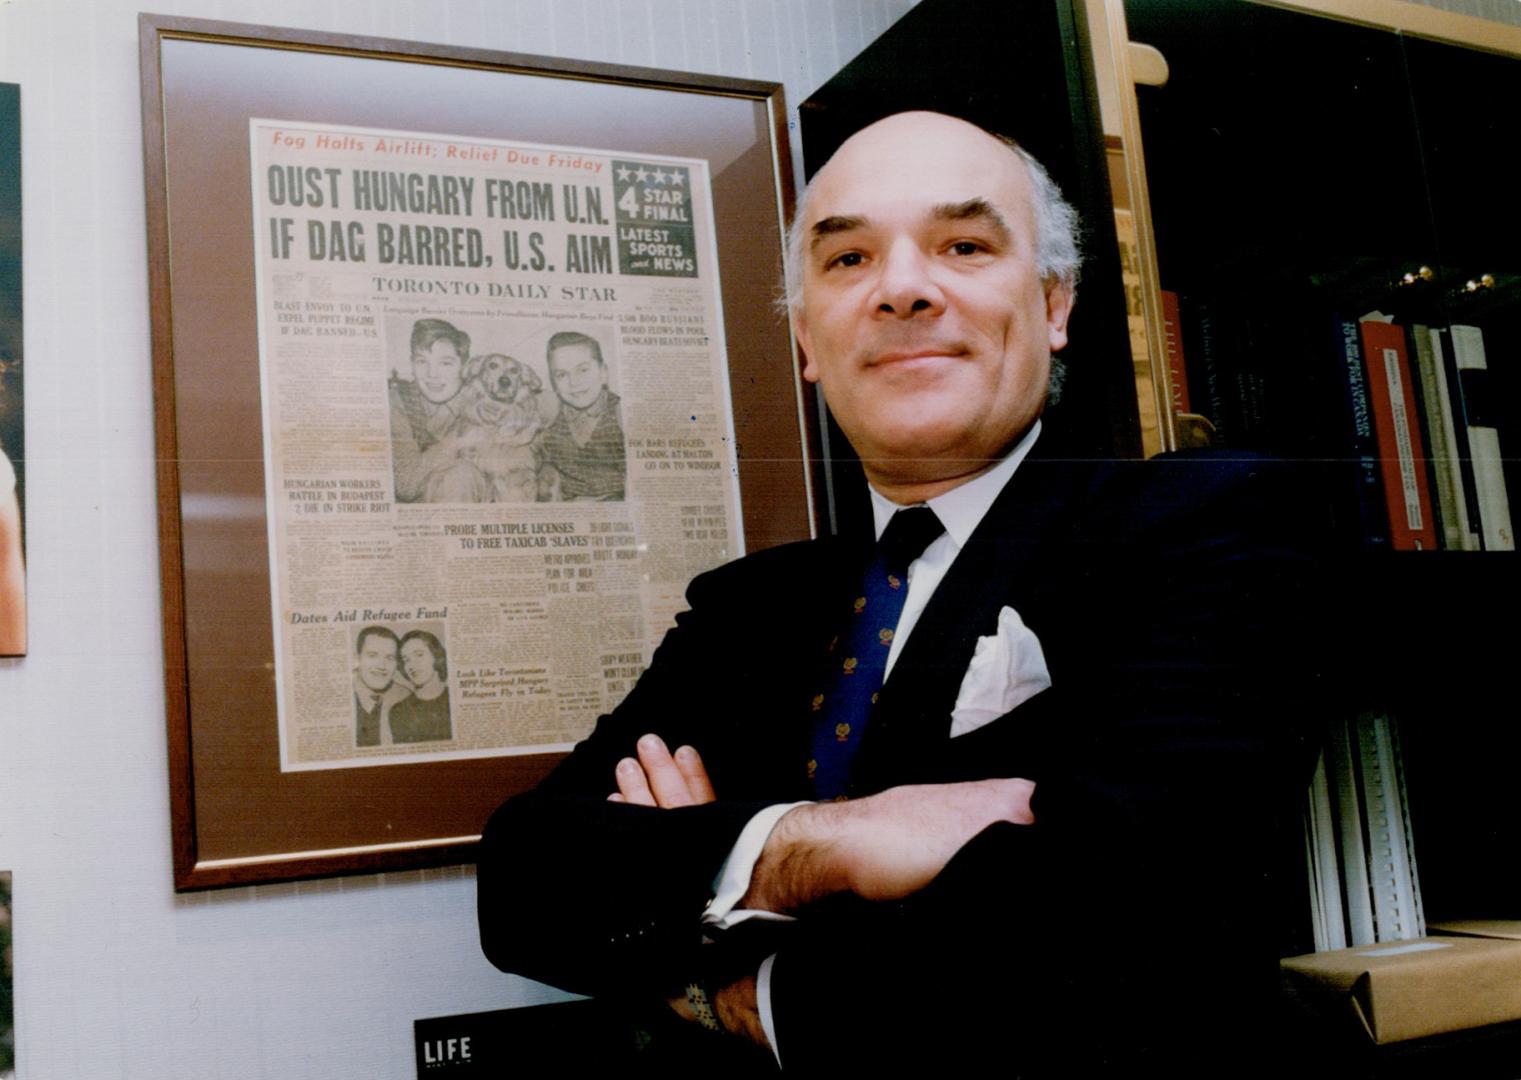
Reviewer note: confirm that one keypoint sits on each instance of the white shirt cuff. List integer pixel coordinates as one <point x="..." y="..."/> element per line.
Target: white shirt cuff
<point x="733" y="879"/>
<point x="763" y="1003"/>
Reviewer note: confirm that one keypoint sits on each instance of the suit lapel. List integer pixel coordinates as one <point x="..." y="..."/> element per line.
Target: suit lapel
<point x="818" y="586"/>
<point x="1008" y="561"/>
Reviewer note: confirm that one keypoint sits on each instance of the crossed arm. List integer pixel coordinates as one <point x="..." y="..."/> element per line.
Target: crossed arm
<point x="1162" y="755"/>
<point x="879" y="848"/>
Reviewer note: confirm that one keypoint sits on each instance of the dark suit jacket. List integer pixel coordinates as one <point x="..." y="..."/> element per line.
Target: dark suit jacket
<point x="1166" y="753"/>
<point x="367" y="723"/>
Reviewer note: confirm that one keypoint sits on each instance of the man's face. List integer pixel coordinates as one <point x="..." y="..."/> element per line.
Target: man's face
<point x="377" y="661"/>
<point x="438" y="370"/>
<point x="924" y="316"/>
<point x="577" y="374"/>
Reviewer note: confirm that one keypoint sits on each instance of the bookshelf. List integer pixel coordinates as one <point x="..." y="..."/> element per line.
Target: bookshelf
<point x="1318" y="186"/>
<point x="1307" y="165"/>
<point x="1367" y="174"/>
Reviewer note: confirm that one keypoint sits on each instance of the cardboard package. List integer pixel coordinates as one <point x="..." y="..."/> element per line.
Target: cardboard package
<point x="1490" y="928"/>
<point x="1409" y="989"/>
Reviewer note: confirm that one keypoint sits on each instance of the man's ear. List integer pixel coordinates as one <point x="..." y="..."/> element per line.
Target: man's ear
<point x="1059" y="300"/>
<point x="800" y="330"/>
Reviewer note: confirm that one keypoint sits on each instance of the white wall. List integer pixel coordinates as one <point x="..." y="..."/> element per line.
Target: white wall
<point x="116" y="976"/>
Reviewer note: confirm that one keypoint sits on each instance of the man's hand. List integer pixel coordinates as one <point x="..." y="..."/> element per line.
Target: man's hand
<point x="735" y="1008"/>
<point x="883" y="847"/>
<point x="656" y="778"/>
<point x="659" y="778"/>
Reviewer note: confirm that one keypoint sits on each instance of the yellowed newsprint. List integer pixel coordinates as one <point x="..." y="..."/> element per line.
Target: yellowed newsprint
<point x="497" y="433"/>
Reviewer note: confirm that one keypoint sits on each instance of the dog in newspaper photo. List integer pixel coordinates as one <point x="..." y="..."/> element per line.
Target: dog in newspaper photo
<point x="499" y="418"/>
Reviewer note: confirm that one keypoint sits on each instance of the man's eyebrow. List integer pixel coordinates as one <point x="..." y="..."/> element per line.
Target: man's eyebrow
<point x="972" y="209"/>
<point x="838" y="223"/>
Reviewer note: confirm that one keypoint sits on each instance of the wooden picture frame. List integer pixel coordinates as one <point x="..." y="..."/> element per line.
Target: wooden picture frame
<point x="13" y="621"/>
<point x="237" y="817"/>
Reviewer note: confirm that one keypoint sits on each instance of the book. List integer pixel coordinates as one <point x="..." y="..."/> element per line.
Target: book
<point x="1177" y="370"/>
<point x="1402" y="453"/>
<point x="1437" y="423"/>
<point x="1357" y="442"/>
<point x="1228" y="387"/>
<point x="1209" y="391"/>
<point x="1483" y="438"/>
<point x="1246" y="369"/>
<point x="1462" y="462"/>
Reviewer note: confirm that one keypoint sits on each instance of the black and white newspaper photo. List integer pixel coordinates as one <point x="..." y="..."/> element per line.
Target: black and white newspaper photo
<point x="497" y="429"/>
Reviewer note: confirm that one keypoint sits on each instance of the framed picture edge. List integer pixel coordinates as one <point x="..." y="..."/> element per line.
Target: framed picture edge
<point x="190" y="870"/>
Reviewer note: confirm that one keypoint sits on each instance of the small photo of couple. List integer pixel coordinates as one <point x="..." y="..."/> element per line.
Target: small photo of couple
<point x="471" y="425"/>
<point x="401" y="686"/>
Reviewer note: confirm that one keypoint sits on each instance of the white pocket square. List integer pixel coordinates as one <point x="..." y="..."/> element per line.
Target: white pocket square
<point x="1007" y="669"/>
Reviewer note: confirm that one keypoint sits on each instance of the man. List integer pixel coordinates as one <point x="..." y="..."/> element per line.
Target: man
<point x="375" y="688"/>
<point x="583" y="449"/>
<point x="430" y="462"/>
<point x="1056" y="820"/>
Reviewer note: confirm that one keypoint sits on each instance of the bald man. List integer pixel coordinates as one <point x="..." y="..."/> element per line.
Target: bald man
<point x="1029" y="816"/>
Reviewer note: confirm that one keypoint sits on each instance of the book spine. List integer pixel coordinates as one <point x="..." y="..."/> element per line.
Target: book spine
<point x="1360" y="443"/>
<point x="1172" y="330"/>
<point x="1421" y="390"/>
<point x="1483" y="438"/>
<point x="1462" y="461"/>
<point x="1233" y="388"/>
<point x="1436" y="420"/>
<point x="1401" y="453"/>
<point x="1210" y="370"/>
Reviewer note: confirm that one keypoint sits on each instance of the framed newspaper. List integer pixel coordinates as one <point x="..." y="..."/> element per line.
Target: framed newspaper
<point x="465" y="363"/>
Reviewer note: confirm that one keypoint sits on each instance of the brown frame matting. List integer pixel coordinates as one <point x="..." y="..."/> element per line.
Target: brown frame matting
<point x="237" y="818"/>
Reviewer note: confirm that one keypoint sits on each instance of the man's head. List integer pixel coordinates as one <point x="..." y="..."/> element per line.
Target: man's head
<point x="440" y="352"/>
<point x="376" y="649"/>
<point x="931" y="277"/>
<point x="576" y="369"/>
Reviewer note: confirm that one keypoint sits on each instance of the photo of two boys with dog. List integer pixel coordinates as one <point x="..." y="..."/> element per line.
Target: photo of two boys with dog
<point x="483" y="426"/>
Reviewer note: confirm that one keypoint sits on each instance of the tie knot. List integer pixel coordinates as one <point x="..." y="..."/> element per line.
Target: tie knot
<point x="907" y="534"/>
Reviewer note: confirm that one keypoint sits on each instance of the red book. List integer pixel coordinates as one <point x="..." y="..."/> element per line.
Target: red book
<point x="1402" y="455"/>
<point x="1172" y="329"/>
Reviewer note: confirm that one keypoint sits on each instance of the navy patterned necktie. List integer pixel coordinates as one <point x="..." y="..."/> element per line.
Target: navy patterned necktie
<point x="858" y="656"/>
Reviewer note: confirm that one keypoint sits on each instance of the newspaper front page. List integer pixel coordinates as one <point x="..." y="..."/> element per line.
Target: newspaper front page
<point x="497" y="431"/>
